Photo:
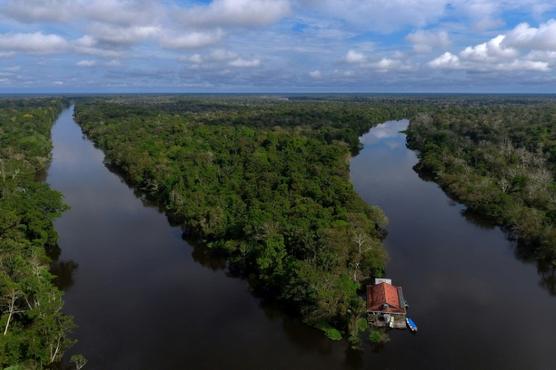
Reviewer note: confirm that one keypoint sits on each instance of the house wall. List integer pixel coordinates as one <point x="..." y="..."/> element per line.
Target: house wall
<point x="380" y="319"/>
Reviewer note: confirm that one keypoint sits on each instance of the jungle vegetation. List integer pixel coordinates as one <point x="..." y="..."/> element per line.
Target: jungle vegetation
<point x="500" y="160"/>
<point x="34" y="331"/>
<point x="263" y="181"/>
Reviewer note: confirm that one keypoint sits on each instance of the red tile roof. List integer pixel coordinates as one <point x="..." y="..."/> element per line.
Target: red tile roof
<point x="384" y="294"/>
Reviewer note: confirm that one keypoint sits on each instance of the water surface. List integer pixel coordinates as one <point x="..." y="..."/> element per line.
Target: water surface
<point x="144" y="299"/>
<point x="476" y="304"/>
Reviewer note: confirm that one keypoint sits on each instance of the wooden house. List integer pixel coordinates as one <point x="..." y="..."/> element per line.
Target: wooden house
<point x="386" y="306"/>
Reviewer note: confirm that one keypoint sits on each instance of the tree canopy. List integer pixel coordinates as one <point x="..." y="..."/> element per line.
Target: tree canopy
<point x="34" y="330"/>
<point x="266" y="182"/>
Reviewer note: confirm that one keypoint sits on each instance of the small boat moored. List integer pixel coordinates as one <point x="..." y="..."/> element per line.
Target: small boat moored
<point x="411" y="325"/>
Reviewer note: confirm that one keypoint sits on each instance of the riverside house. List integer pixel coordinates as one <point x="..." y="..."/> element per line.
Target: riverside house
<point x="386" y="306"/>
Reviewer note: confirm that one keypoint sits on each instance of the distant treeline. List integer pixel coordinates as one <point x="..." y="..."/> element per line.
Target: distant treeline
<point x="34" y="331"/>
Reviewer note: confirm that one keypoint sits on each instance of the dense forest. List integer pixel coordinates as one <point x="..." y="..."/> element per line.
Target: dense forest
<point x="500" y="160"/>
<point x="265" y="182"/>
<point x="34" y="330"/>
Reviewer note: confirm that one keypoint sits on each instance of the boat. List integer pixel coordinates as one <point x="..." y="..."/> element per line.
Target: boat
<point x="411" y="325"/>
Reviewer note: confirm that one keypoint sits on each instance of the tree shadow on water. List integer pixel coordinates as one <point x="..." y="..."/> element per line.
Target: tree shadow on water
<point x="63" y="271"/>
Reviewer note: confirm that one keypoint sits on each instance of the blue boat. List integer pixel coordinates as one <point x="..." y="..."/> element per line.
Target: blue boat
<point x="411" y="325"/>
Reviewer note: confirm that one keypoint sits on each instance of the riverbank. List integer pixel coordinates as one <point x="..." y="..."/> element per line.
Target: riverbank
<point x="276" y="202"/>
<point x="462" y="279"/>
<point x="35" y="333"/>
<point x="503" y="172"/>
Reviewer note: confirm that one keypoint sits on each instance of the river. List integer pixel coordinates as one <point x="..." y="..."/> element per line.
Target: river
<point x="144" y="299"/>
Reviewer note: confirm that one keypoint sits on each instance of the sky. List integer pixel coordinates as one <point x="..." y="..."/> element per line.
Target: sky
<point x="403" y="46"/>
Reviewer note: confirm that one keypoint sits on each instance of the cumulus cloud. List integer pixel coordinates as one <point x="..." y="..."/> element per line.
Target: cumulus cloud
<point x="236" y="13"/>
<point x="90" y="46"/>
<point x="386" y="64"/>
<point x="316" y="74"/>
<point x="304" y="35"/>
<point x="383" y="64"/>
<point x="523" y="65"/>
<point x="86" y="63"/>
<point x="28" y="11"/>
<point x="122" y="36"/>
<point x="380" y="15"/>
<point x="219" y="56"/>
<point x="355" y="57"/>
<point x="490" y="51"/>
<point x="36" y="42"/>
<point x="195" y="58"/>
<point x="527" y="37"/>
<point x="245" y="63"/>
<point x="123" y="13"/>
<point x="191" y="40"/>
<point x="425" y="41"/>
<point x="446" y="61"/>
<point x="222" y="54"/>
<point x="117" y="12"/>
<point x="505" y="52"/>
<point x="483" y="13"/>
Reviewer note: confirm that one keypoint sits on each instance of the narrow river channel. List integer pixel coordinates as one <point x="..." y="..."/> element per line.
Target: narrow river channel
<point x="144" y="299"/>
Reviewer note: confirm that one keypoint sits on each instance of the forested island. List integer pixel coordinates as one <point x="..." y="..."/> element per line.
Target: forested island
<point x="264" y="182"/>
<point x="34" y="329"/>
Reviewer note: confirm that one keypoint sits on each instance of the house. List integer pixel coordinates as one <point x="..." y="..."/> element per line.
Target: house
<point x="386" y="306"/>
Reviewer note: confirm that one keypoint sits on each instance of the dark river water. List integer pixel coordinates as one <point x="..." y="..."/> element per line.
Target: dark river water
<point x="144" y="299"/>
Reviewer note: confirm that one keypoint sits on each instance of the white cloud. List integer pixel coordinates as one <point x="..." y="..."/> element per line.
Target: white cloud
<point x="115" y="12"/>
<point x="380" y="15"/>
<point x="302" y="35"/>
<point x="523" y="65"/>
<point x="492" y="50"/>
<point x="195" y="58"/>
<point x="355" y="57"/>
<point x="316" y="74"/>
<point x="214" y="56"/>
<point x="36" y="42"/>
<point x="526" y="37"/>
<point x="497" y="55"/>
<point x="90" y="46"/>
<point x="386" y="64"/>
<point x="191" y="40"/>
<point x="446" y="61"/>
<point x="425" y="41"/>
<point x="120" y="36"/>
<point x="222" y="54"/>
<point x="28" y="11"/>
<point x="483" y="13"/>
<point x="245" y="63"/>
<point x="236" y="13"/>
<point x="86" y="63"/>
<point x="123" y="13"/>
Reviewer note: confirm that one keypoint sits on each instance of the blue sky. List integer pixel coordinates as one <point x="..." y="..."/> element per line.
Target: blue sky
<point x="277" y="46"/>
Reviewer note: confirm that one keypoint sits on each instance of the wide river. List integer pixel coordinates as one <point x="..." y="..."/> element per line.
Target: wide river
<point x="144" y="299"/>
